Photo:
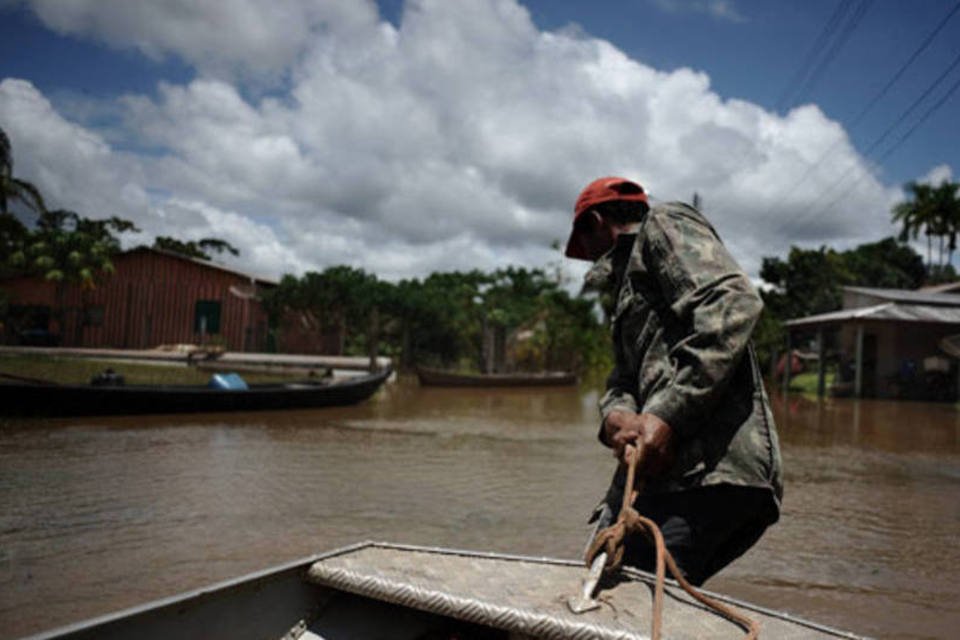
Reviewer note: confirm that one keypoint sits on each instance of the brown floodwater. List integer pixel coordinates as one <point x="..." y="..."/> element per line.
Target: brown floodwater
<point x="98" y="514"/>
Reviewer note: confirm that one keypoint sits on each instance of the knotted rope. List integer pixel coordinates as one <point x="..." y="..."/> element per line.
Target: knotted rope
<point x="629" y="521"/>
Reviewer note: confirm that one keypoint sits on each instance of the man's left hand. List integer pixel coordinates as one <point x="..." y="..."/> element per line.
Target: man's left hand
<point x="656" y="437"/>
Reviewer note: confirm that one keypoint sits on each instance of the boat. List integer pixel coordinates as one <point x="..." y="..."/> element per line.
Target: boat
<point x="24" y="398"/>
<point x="444" y="378"/>
<point x="403" y="592"/>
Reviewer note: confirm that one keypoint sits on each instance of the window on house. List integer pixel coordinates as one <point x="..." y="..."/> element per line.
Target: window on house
<point x="206" y="317"/>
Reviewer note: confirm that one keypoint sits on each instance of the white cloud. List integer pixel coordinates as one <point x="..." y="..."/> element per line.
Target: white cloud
<point x="74" y="167"/>
<point x="457" y="140"/>
<point x="720" y="9"/>
<point x="937" y="175"/>
<point x="217" y="37"/>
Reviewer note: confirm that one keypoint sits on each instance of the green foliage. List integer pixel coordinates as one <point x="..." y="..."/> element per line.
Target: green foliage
<point x="440" y="319"/>
<point x="935" y="210"/>
<point x="70" y="249"/>
<point x="807" y="282"/>
<point x="807" y="383"/>
<point x="810" y="281"/>
<point x="887" y="263"/>
<point x="12" y="236"/>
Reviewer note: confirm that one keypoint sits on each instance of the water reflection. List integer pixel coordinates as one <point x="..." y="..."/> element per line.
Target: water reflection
<point x="883" y="424"/>
<point x="102" y="513"/>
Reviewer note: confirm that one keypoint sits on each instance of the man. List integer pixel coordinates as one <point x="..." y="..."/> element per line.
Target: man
<point x="685" y="385"/>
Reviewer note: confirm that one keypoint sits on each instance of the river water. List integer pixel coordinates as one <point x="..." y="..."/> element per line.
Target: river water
<point x="99" y="514"/>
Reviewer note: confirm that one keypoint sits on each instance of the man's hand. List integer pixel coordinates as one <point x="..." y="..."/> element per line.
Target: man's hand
<point x="641" y="429"/>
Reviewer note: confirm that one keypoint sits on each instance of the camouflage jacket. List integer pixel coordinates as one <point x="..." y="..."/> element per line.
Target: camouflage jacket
<point x="683" y="315"/>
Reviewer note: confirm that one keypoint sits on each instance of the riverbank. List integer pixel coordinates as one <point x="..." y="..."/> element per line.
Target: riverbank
<point x="74" y="370"/>
<point x="173" y="366"/>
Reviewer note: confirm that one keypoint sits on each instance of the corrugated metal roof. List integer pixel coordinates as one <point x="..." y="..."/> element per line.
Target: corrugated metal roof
<point x="207" y="263"/>
<point x="946" y="287"/>
<point x="909" y="296"/>
<point x="887" y="312"/>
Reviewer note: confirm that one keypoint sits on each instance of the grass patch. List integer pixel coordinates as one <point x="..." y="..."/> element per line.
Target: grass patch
<point x="80" y="370"/>
<point x="806" y="383"/>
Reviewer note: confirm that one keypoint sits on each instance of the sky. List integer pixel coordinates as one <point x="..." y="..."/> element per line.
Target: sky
<point x="410" y="136"/>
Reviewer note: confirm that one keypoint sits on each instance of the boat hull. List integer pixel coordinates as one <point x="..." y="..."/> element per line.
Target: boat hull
<point x="24" y="399"/>
<point x="379" y="590"/>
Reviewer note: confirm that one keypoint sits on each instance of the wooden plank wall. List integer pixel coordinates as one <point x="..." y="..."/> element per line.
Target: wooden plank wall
<point x="151" y="300"/>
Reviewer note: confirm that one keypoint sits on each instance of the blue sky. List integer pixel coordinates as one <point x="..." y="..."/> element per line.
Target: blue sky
<point x="403" y="137"/>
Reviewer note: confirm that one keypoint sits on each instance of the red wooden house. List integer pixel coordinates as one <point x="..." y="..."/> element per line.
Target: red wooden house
<point x="154" y="297"/>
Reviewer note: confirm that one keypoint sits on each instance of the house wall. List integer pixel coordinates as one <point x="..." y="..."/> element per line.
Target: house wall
<point x="149" y="300"/>
<point x="896" y="343"/>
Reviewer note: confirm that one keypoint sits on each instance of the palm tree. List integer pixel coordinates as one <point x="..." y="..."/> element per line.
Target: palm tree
<point x="14" y="188"/>
<point x="936" y="212"/>
<point x="946" y="208"/>
<point x="917" y="214"/>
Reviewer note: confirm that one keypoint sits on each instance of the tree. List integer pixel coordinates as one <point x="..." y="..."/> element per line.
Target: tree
<point x="915" y="214"/>
<point x="337" y="299"/>
<point x="946" y="214"/>
<point x="808" y="282"/>
<point x="68" y="249"/>
<point x="936" y="212"/>
<point x="887" y="263"/>
<point x="439" y="320"/>
<point x="12" y="231"/>
<point x="15" y="189"/>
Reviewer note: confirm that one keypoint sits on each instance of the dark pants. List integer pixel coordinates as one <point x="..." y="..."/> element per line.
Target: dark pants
<point x="705" y="529"/>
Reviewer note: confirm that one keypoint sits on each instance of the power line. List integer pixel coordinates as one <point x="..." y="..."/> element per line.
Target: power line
<point x="825" y="34"/>
<point x="900" y="119"/>
<point x="906" y="136"/>
<point x="835" y="48"/>
<point x="903" y="116"/>
<point x="923" y="118"/>
<point x="851" y="24"/>
<point x="923" y="46"/>
<point x="873" y="101"/>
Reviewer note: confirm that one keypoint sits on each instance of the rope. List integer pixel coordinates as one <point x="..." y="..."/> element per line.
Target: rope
<point x="630" y="521"/>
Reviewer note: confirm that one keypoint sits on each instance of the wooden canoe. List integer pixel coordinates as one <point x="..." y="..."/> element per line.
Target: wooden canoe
<point x="26" y="399"/>
<point x="399" y="592"/>
<point x="442" y="378"/>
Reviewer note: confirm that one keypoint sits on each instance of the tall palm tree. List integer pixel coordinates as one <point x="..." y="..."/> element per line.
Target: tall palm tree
<point x="12" y="188"/>
<point x="917" y="214"/>
<point x="946" y="208"/>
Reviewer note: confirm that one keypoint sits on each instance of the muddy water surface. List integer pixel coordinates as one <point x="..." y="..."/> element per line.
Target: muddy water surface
<point x="105" y="513"/>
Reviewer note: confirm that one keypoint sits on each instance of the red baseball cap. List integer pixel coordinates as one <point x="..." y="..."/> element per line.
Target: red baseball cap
<point x="597" y="192"/>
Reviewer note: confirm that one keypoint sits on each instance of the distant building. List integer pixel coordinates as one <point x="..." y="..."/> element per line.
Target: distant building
<point x="890" y="342"/>
<point x="154" y="297"/>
